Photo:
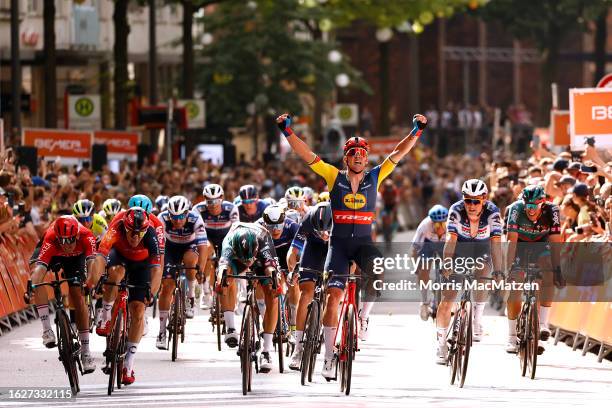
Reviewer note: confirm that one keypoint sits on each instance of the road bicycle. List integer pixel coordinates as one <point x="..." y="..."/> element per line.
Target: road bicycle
<point x="313" y="336"/>
<point x="177" y="318"/>
<point x="528" y="323"/>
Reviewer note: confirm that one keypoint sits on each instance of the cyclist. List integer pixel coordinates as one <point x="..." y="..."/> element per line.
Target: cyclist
<point x="283" y="230"/>
<point x="110" y="208"/>
<point x="161" y="203"/>
<point x="296" y="203"/>
<point x="186" y="243"/>
<point x="132" y="250"/>
<point x="73" y="246"/>
<point x="218" y="216"/>
<point x="309" y="196"/>
<point x="99" y="227"/>
<point x="535" y="225"/>
<point x="83" y="211"/>
<point x="475" y="224"/>
<point x="429" y="242"/>
<point x="353" y="194"/>
<point x="251" y="207"/>
<point x="311" y="241"/>
<point x="248" y="245"/>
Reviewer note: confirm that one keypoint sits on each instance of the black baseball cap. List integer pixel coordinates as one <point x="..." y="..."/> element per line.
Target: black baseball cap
<point x="567" y="180"/>
<point x="581" y="190"/>
<point x="560" y="164"/>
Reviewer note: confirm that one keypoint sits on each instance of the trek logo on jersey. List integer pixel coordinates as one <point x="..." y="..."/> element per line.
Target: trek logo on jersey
<point x="354" y="201"/>
<point x="349" y="217"/>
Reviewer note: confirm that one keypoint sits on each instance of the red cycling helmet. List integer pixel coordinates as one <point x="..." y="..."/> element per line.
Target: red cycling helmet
<point x="136" y="219"/>
<point x="356" y="141"/>
<point x="66" y="229"/>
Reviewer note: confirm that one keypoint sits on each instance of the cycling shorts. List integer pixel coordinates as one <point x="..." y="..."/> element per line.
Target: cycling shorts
<point x="174" y="256"/>
<point x="137" y="273"/>
<point x="343" y="250"/>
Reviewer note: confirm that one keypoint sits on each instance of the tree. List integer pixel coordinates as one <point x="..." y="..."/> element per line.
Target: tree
<point x="547" y="23"/>
<point x="50" y="64"/>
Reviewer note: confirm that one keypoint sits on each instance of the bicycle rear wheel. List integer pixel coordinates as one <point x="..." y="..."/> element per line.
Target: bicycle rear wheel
<point x="113" y="350"/>
<point x="348" y="354"/>
<point x="66" y="350"/>
<point x="534" y="336"/>
<point x="465" y="341"/>
<point x="245" y="350"/>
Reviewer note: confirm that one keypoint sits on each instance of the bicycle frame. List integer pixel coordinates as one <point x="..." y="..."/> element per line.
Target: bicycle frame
<point x="350" y="298"/>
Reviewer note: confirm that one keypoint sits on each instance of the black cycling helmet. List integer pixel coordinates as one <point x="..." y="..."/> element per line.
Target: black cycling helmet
<point x="248" y="192"/>
<point x="244" y="244"/>
<point x="321" y="217"/>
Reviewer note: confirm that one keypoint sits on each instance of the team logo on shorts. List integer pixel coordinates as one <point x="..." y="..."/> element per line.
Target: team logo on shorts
<point x="354" y="201"/>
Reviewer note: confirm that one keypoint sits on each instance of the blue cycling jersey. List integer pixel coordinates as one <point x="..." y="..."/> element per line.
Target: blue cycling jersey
<point x="244" y="217"/>
<point x="490" y="224"/>
<point x="217" y="226"/>
<point x="193" y="232"/>
<point x="283" y="243"/>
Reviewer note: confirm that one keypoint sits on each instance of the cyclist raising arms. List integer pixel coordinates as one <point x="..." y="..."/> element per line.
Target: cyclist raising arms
<point x="474" y="223"/>
<point x="353" y="193"/>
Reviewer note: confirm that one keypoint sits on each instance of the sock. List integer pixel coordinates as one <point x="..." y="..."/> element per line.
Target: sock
<point x="442" y="335"/>
<point x="43" y="314"/>
<point x="511" y="328"/>
<point x="268" y="346"/>
<point x="330" y="339"/>
<point x="261" y="305"/>
<point x="293" y="315"/>
<point x="478" y="310"/>
<point x="229" y="319"/>
<point x="129" y="357"/>
<point x="84" y="338"/>
<point x="191" y="284"/>
<point x="544" y="310"/>
<point x="299" y="335"/>
<point x="107" y="307"/>
<point x="366" y="309"/>
<point x="424" y="295"/>
<point x="163" y="320"/>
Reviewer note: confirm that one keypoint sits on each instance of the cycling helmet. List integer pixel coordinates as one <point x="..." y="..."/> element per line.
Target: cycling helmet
<point x="533" y="195"/>
<point x="111" y="207"/>
<point x="274" y="215"/>
<point x="308" y="195"/>
<point x="66" y="229"/>
<point x="83" y="208"/>
<point x="161" y="201"/>
<point x="356" y="141"/>
<point x="438" y="213"/>
<point x="212" y="191"/>
<point x="295" y="193"/>
<point x="136" y="219"/>
<point x="248" y="192"/>
<point x="323" y="197"/>
<point x="99" y="226"/>
<point x="178" y="205"/>
<point x="142" y="201"/>
<point x="245" y="245"/>
<point x="321" y="217"/>
<point x="474" y="188"/>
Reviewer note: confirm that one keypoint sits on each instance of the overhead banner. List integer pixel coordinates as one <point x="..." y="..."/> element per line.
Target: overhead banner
<point x="347" y="113"/>
<point x="119" y="145"/>
<point x="591" y="116"/>
<point x="559" y="127"/>
<point x="196" y="112"/>
<point x="62" y="143"/>
<point x="84" y="112"/>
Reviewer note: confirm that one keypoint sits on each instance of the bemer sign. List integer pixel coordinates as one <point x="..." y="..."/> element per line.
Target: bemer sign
<point x="591" y="116"/>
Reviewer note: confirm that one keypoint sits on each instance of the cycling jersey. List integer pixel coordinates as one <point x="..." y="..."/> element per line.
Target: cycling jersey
<point x="244" y="217"/>
<point x="312" y="248"/>
<point x="426" y="241"/>
<point x="283" y="243"/>
<point x="116" y="239"/>
<point x="217" y="226"/>
<point x="85" y="245"/>
<point x="353" y="212"/>
<point x="193" y="232"/>
<point x="266" y="253"/>
<point x="532" y="231"/>
<point x="155" y="222"/>
<point x="490" y="224"/>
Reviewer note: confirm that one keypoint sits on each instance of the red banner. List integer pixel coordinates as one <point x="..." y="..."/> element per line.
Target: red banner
<point x="62" y="143"/>
<point x="118" y="142"/>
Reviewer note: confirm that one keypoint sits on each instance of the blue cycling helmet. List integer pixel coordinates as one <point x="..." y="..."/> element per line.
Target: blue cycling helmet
<point x="438" y="213"/>
<point x="142" y="201"/>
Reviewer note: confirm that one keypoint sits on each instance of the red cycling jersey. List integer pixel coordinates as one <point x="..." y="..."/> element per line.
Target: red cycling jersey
<point x="147" y="248"/>
<point x="50" y="247"/>
<point x="157" y="225"/>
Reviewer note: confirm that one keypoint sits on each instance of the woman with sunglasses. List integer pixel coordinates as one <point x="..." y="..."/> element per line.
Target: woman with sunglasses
<point x="218" y="216"/>
<point x="353" y="193"/>
<point x="474" y="232"/>
<point x="132" y="249"/>
<point x="187" y="244"/>
<point x="73" y="246"/>
<point x="250" y="208"/>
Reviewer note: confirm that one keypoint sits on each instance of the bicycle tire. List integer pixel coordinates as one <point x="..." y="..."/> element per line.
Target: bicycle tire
<point x="452" y="352"/>
<point x="91" y="308"/>
<point x="317" y="341"/>
<point x="66" y="351"/>
<point x="154" y="307"/>
<point x="522" y="338"/>
<point x="175" y="324"/>
<point x="183" y="308"/>
<point x="350" y="349"/>
<point x="113" y="350"/>
<point x="245" y="349"/>
<point x="279" y="338"/>
<point x="307" y="340"/>
<point x="466" y="342"/>
<point x="121" y="357"/>
<point x="535" y="336"/>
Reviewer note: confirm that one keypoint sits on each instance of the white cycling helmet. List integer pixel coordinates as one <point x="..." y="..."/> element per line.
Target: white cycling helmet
<point x="474" y="188"/>
<point x="212" y="191"/>
<point x="274" y="214"/>
<point x="295" y="193"/>
<point x="178" y="205"/>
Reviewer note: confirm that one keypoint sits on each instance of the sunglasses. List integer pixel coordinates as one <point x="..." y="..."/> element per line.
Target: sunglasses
<point x="216" y="201"/>
<point x="249" y="201"/>
<point x="67" y="241"/>
<point x="178" y="217"/>
<point x="532" y="206"/>
<point x="138" y="234"/>
<point x="472" y="201"/>
<point x="275" y="227"/>
<point x="353" y="152"/>
<point x="85" y="219"/>
<point x="439" y="224"/>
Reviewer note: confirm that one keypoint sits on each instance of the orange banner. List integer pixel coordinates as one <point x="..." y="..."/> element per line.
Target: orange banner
<point x="383" y="146"/>
<point x="559" y="128"/>
<point x="62" y="143"/>
<point x="118" y="142"/>
<point x="591" y="115"/>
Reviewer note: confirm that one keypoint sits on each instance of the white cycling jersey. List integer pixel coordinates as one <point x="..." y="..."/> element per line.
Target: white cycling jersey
<point x="425" y="233"/>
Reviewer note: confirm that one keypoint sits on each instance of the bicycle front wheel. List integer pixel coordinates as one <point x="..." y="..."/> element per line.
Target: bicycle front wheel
<point x="113" y="351"/>
<point x="280" y="337"/>
<point x="245" y="350"/>
<point x="309" y="340"/>
<point x="176" y="324"/>
<point x="348" y="353"/>
<point x="523" y="337"/>
<point x="66" y="350"/>
<point x="465" y="341"/>
<point x="534" y="336"/>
